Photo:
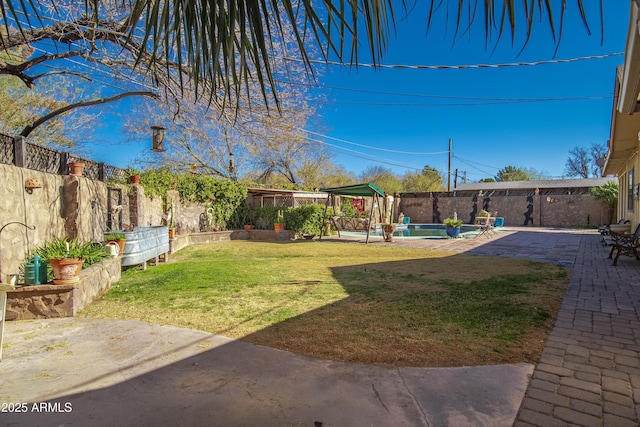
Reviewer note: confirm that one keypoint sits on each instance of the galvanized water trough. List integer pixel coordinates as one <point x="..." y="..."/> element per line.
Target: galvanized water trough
<point x="144" y="244"/>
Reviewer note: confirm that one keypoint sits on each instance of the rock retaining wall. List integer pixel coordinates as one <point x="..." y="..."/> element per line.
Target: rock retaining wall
<point x="47" y="301"/>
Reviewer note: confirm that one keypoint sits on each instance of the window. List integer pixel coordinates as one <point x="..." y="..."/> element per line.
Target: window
<point x="630" y="190"/>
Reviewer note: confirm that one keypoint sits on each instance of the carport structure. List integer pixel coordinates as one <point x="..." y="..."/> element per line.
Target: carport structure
<point x="368" y="189"/>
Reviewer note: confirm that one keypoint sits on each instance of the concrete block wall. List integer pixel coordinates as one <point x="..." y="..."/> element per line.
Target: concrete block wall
<point x="564" y="210"/>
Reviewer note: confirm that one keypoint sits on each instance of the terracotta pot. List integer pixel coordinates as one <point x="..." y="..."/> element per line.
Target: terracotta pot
<point x="75" y="168"/>
<point x="134" y="179"/>
<point x="172" y="233"/>
<point x="387" y="232"/>
<point x="278" y="226"/>
<point x="66" y="270"/>
<point x="248" y="227"/>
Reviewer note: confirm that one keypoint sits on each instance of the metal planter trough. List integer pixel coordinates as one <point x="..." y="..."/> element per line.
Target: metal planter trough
<point x="144" y="244"/>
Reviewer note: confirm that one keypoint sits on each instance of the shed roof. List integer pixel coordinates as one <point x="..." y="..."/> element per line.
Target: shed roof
<point x="541" y="184"/>
<point x="284" y="192"/>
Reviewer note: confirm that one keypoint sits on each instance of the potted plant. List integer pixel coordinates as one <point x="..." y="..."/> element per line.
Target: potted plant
<point x="75" y="168"/>
<point x="117" y="237"/>
<point x="389" y="228"/>
<point x="134" y="176"/>
<point x="279" y="224"/>
<point x="387" y="231"/>
<point x="67" y="257"/>
<point x="453" y="227"/>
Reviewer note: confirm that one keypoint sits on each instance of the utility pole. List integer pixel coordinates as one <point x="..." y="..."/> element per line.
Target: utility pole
<point x="455" y="180"/>
<point x="449" y="166"/>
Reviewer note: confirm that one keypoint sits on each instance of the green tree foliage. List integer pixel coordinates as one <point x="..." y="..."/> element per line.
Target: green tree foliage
<point x="323" y="173"/>
<point x="607" y="192"/>
<point x="429" y="179"/>
<point x="512" y="173"/>
<point x="383" y="177"/>
<point x="22" y="106"/>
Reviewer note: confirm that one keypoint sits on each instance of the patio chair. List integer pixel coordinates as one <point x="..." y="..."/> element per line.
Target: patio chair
<point x="625" y="244"/>
<point x="605" y="231"/>
<point x="485" y="226"/>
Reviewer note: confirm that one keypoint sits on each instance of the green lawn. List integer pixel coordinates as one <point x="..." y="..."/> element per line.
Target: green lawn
<point x="350" y="302"/>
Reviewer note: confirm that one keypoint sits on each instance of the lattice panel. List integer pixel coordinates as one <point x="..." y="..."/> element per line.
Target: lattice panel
<point x="42" y="159"/>
<point x="6" y="149"/>
<point x="112" y="172"/>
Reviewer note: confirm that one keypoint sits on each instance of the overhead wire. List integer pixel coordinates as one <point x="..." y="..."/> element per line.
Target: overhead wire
<point x="463" y="104"/>
<point x="420" y="95"/>
<point x="370" y="146"/>
<point x="361" y="155"/>
<point x="464" y="66"/>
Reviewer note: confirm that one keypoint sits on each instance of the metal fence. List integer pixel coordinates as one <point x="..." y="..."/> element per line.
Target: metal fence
<point x="19" y="152"/>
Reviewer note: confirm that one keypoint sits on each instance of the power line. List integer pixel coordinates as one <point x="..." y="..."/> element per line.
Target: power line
<point x="420" y="95"/>
<point x="463" y="104"/>
<point x="463" y="67"/>
<point x="470" y="161"/>
<point x="372" y="147"/>
<point x="362" y="155"/>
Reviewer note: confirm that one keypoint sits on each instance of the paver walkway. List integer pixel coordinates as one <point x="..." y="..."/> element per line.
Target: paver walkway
<point x="589" y="371"/>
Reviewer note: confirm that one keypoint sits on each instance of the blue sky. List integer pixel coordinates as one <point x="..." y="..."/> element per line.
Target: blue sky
<point x="488" y="132"/>
<point x="486" y="137"/>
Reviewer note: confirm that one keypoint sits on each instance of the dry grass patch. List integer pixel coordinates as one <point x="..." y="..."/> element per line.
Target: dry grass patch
<point x="351" y="302"/>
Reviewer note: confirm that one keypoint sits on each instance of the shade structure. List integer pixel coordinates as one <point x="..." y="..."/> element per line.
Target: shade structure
<point x="357" y="190"/>
<point x="367" y="189"/>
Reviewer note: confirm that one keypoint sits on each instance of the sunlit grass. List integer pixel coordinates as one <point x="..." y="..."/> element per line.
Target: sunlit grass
<point x="352" y="302"/>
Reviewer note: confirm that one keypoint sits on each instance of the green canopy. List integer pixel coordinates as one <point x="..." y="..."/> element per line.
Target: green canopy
<point x="362" y="190"/>
<point x="368" y="189"/>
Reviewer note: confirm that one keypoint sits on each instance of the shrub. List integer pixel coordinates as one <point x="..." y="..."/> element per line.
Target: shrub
<point x="305" y="219"/>
<point x="607" y="192"/>
<point x="266" y="216"/>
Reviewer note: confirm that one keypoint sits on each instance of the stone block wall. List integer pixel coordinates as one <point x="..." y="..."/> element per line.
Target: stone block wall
<point x="69" y="206"/>
<point x="48" y="301"/>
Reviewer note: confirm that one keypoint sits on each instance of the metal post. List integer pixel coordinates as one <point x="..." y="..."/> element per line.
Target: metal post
<point x="19" y="151"/>
<point x="4" y="287"/>
<point x="449" y="166"/>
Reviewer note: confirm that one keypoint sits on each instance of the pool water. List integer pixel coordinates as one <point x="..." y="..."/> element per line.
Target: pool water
<point x="437" y="231"/>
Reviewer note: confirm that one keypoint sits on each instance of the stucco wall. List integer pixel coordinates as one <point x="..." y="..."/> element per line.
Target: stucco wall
<point x="566" y="210"/>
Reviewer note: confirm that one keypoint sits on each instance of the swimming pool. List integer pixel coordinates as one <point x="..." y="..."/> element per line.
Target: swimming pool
<point x="434" y="231"/>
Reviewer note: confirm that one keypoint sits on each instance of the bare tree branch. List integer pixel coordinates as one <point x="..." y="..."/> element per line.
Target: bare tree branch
<point x="27" y="130"/>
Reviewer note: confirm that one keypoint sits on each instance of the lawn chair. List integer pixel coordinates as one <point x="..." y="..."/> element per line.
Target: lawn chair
<point x="485" y="226"/>
<point x="625" y="244"/>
